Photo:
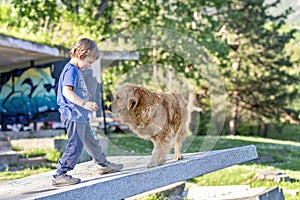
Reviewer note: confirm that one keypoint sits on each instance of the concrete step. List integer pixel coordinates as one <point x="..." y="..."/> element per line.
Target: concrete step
<point x="31" y="134"/>
<point x="272" y="175"/>
<point x="234" y="193"/>
<point x="174" y="191"/>
<point x="8" y="157"/>
<point x="40" y="160"/>
<point x="5" y="146"/>
<point x="135" y="179"/>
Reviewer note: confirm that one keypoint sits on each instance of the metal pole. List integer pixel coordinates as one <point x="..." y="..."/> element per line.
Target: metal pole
<point x="102" y="101"/>
<point x="34" y="123"/>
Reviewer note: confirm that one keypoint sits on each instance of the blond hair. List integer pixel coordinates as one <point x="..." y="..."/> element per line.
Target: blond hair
<point x="85" y="47"/>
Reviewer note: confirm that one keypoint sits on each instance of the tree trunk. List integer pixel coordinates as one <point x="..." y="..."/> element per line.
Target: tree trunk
<point x="191" y="107"/>
<point x="234" y="113"/>
<point x="235" y="103"/>
<point x="190" y="111"/>
<point x="266" y="129"/>
<point x="263" y="128"/>
<point x="170" y="76"/>
<point x="154" y="54"/>
<point x="101" y="8"/>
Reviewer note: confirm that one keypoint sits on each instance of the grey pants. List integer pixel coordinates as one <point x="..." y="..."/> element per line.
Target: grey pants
<point x="80" y="135"/>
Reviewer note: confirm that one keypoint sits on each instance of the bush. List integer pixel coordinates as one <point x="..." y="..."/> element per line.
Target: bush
<point x="247" y="128"/>
<point x="53" y="155"/>
<point x="200" y="124"/>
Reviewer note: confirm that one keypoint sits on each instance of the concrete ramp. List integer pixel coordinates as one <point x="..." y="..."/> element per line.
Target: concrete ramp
<point x="133" y="180"/>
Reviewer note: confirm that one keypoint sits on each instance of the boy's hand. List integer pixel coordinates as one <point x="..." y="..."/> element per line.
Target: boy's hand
<point x="91" y="106"/>
<point x="71" y="96"/>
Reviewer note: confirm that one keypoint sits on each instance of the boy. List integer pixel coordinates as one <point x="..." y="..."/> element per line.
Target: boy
<point x="74" y="106"/>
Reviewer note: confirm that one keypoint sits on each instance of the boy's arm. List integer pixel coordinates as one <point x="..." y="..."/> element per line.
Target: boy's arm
<point x="68" y="92"/>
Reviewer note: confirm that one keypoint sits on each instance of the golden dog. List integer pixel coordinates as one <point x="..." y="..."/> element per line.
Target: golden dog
<point x="158" y="116"/>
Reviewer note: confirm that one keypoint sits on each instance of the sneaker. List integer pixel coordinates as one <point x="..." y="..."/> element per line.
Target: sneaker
<point x="111" y="167"/>
<point x="64" y="180"/>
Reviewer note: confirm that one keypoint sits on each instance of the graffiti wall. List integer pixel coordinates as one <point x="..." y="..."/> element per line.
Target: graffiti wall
<point x="27" y="95"/>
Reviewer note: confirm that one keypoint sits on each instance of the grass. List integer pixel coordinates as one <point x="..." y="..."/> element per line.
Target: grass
<point x="274" y="154"/>
<point x="52" y="155"/>
<point x="128" y="144"/>
<point x="12" y="175"/>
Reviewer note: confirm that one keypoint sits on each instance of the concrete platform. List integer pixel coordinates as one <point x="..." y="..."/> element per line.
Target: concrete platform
<point x="234" y="193"/>
<point x="134" y="179"/>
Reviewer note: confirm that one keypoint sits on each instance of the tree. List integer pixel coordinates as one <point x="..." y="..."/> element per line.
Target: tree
<point x="259" y="79"/>
<point x="58" y="23"/>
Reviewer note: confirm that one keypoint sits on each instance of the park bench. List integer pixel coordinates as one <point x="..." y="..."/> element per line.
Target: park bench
<point x="134" y="179"/>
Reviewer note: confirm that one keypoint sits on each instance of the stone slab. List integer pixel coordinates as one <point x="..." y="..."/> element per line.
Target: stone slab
<point x="271" y="175"/>
<point x="8" y="157"/>
<point x="175" y="189"/>
<point x="274" y="193"/>
<point x="5" y="146"/>
<point x="135" y="179"/>
<point x="237" y="192"/>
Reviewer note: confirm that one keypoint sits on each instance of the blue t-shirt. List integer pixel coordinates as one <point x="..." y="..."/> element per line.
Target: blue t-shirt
<point x="72" y="76"/>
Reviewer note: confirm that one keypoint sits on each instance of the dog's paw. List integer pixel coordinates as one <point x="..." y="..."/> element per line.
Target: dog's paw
<point x="155" y="163"/>
<point x="178" y="157"/>
<point x="152" y="164"/>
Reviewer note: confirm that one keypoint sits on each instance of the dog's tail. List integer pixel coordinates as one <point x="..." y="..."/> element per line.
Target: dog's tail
<point x="182" y="105"/>
<point x="180" y="98"/>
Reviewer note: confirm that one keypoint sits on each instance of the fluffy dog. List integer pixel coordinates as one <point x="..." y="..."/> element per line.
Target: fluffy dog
<point x="158" y="116"/>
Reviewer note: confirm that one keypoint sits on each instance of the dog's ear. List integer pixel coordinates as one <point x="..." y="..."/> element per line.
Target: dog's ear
<point x="133" y="98"/>
<point x="132" y="103"/>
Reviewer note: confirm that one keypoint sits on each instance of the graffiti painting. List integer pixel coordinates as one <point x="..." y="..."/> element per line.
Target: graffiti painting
<point x="28" y="94"/>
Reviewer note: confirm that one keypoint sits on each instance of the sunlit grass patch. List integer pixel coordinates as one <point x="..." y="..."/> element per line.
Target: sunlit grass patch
<point x="12" y="175"/>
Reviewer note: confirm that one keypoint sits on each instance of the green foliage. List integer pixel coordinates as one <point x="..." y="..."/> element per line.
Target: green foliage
<point x="201" y="122"/>
<point x="260" y="70"/>
<point x="16" y="148"/>
<point x="34" y="152"/>
<point x="36" y="14"/>
<point x="247" y="129"/>
<point x="5" y="12"/>
<point x="154" y="197"/>
<point x="53" y="155"/>
<point x="288" y="132"/>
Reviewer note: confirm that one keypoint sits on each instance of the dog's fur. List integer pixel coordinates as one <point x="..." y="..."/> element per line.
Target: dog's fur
<point x="158" y="116"/>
